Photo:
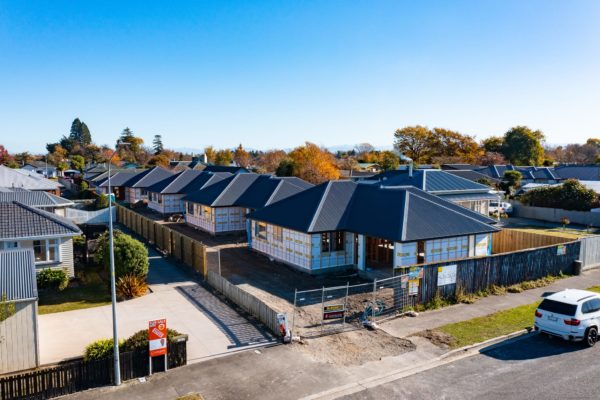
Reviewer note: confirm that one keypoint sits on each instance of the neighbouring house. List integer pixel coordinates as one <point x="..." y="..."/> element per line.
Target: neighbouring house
<point x="42" y="200"/>
<point x="222" y="207"/>
<point x="356" y="175"/>
<point x="131" y="186"/>
<point x="166" y="196"/>
<point x="197" y="162"/>
<point x="472" y="195"/>
<point x="119" y="176"/>
<point x="370" y="228"/>
<point x="224" y="168"/>
<point x="42" y="168"/>
<point x="49" y="235"/>
<point x="28" y="180"/>
<point x="530" y="174"/>
<point x="579" y="172"/>
<point x="19" y="336"/>
<point x="474" y="176"/>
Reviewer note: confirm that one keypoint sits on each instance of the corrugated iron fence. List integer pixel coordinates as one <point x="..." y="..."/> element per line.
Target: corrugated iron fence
<point x="181" y="247"/>
<point x="590" y="251"/>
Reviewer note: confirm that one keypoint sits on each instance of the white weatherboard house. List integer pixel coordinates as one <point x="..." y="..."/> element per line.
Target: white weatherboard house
<point x="48" y="235"/>
<point x="222" y="207"/>
<point x="42" y="200"/>
<point x="19" y="337"/>
<point x="343" y="224"/>
<point x="166" y="196"/>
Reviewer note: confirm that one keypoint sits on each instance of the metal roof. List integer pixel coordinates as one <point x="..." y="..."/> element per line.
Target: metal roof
<point x="434" y="181"/>
<point x="225" y="168"/>
<point x="468" y="196"/>
<point x="187" y="181"/>
<point x="35" y="199"/>
<point x="17" y="275"/>
<point x="247" y="190"/>
<point x="120" y="178"/>
<point x="472" y="175"/>
<point x="581" y="172"/>
<point x="147" y="178"/>
<point x="17" y="178"/>
<point x="20" y="221"/>
<point x="395" y="213"/>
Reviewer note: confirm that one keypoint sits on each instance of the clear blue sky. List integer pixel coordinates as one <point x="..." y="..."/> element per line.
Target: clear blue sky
<point x="277" y="73"/>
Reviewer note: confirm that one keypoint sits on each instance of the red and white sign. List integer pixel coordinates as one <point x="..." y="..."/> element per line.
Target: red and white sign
<point x="157" y="337"/>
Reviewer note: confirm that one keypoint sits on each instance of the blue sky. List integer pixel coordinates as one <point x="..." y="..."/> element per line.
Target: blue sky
<point x="276" y="73"/>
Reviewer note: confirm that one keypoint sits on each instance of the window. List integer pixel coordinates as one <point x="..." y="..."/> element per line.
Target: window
<point x="558" y="308"/>
<point x="325" y="242"/>
<point x="590" y="306"/>
<point x="339" y="241"/>
<point x="144" y="192"/>
<point x="207" y="212"/>
<point x="46" y="250"/>
<point x="261" y="230"/>
<point x="278" y="234"/>
<point x="9" y="245"/>
<point x="190" y="208"/>
<point x="159" y="198"/>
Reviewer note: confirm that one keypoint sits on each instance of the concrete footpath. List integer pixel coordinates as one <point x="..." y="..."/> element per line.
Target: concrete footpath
<point x="288" y="372"/>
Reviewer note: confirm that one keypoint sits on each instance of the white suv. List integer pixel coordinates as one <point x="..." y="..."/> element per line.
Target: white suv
<point x="570" y="314"/>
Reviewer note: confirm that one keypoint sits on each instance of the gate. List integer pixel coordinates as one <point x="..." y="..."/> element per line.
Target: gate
<point x="336" y="309"/>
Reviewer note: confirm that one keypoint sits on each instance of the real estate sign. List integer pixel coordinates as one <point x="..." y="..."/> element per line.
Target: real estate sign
<point x="157" y="337"/>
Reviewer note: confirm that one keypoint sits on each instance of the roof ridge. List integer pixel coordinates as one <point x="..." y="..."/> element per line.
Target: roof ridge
<point x="320" y="206"/>
<point x="277" y="188"/>
<point x="405" y="214"/>
<point x="225" y="189"/>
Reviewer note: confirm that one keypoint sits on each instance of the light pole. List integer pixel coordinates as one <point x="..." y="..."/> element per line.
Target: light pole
<point x="111" y="253"/>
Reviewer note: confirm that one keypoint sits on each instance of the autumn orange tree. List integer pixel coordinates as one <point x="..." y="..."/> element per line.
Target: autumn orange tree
<point x="241" y="157"/>
<point x="312" y="163"/>
<point x="270" y="160"/>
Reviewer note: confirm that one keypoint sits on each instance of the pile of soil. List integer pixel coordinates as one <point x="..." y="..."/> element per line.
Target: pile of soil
<point x="440" y="339"/>
<point x="354" y="348"/>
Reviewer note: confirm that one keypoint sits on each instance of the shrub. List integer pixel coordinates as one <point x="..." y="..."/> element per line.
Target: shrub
<point x="79" y="241"/>
<point x="571" y="195"/>
<point x="99" y="350"/>
<point x="130" y="286"/>
<point x="101" y="202"/>
<point x="139" y="340"/>
<point x="131" y="256"/>
<point x="52" y="279"/>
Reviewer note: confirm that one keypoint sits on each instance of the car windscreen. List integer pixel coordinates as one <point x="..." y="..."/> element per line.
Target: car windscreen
<point x="558" y="308"/>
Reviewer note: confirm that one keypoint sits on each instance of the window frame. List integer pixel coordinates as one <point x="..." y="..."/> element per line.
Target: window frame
<point x="277" y="234"/>
<point x="49" y="246"/>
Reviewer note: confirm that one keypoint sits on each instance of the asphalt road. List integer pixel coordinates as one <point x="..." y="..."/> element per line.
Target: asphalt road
<point x="533" y="368"/>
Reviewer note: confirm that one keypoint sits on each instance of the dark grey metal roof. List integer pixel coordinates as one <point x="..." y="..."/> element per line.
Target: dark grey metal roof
<point x="188" y="181"/>
<point x="395" y="213"/>
<point x="247" y="190"/>
<point x="581" y="172"/>
<point x="468" y="196"/>
<point x="434" y="181"/>
<point x="147" y="178"/>
<point x="35" y="199"/>
<point x="224" y="168"/>
<point x="17" y="275"/>
<point x="120" y="178"/>
<point x="473" y="175"/>
<point x="20" y="221"/>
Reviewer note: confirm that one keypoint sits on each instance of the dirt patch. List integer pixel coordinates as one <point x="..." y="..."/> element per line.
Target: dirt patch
<point x="440" y="339"/>
<point x="354" y="347"/>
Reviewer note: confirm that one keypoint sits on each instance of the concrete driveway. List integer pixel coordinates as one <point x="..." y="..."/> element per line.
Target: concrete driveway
<point x="213" y="325"/>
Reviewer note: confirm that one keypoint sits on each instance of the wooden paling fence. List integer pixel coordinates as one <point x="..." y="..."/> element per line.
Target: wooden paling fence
<point x="509" y="240"/>
<point x="245" y="300"/>
<point x="77" y="375"/>
<point x="194" y="254"/>
<point x="181" y="247"/>
<point x="477" y="274"/>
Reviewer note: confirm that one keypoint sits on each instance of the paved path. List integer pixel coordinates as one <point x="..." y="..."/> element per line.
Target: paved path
<point x="534" y="368"/>
<point x="213" y="326"/>
<point x="403" y="327"/>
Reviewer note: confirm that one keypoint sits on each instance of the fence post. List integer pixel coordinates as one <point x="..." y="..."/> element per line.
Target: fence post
<point x="294" y="313"/>
<point x="374" y="300"/>
<point x="322" y="306"/>
<point x="345" y="304"/>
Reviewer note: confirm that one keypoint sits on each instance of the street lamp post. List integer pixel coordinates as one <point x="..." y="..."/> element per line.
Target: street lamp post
<point x="111" y="252"/>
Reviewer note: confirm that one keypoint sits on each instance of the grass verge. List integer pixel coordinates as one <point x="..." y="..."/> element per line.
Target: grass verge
<point x="560" y="232"/>
<point x="480" y="329"/>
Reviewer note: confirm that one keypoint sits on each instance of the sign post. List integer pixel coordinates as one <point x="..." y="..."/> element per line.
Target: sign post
<point x="157" y="340"/>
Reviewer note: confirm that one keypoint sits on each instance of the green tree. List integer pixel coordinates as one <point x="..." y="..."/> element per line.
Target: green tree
<point x="522" y="146"/>
<point x="388" y="161"/>
<point x="157" y="144"/>
<point x="159" y="160"/>
<point x="223" y="157"/>
<point x="511" y="180"/>
<point x="210" y="154"/>
<point x="79" y="134"/>
<point x="571" y="195"/>
<point x="285" y="168"/>
<point x="78" y="163"/>
<point x="23" y="158"/>
<point x="493" y="144"/>
<point x="414" y="142"/>
<point x="131" y="256"/>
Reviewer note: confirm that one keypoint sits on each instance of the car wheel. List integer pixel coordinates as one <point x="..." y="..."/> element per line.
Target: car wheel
<point x="591" y="336"/>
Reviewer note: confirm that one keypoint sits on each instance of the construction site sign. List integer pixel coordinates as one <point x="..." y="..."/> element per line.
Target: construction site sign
<point x="334" y="311"/>
<point x="157" y="337"/>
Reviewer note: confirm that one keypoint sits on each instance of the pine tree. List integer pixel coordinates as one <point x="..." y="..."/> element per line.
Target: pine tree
<point x="86" y="136"/>
<point x="157" y="144"/>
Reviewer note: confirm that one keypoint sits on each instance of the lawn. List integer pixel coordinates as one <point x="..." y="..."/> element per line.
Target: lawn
<point x="91" y="292"/>
<point x="479" y="329"/>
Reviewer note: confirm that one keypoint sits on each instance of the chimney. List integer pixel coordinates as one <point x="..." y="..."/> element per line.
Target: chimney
<point x="204" y="158"/>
